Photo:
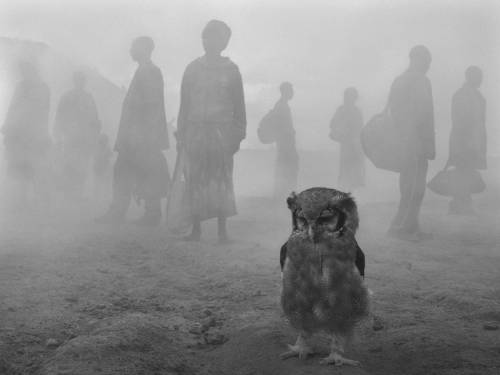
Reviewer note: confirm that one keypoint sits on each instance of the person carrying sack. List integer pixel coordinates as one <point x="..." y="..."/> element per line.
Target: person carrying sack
<point x="467" y="154"/>
<point x="411" y="108"/>
<point x="277" y="127"/>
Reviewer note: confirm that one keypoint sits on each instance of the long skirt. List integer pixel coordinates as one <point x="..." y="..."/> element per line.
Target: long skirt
<point x="209" y="174"/>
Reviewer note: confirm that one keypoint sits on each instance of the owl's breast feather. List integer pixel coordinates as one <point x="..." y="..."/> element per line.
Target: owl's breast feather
<point x="320" y="286"/>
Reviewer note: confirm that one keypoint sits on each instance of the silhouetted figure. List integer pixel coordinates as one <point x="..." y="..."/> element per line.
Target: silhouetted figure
<point x="345" y="128"/>
<point x="411" y="107"/>
<point x="141" y="169"/>
<point x="26" y="134"/>
<point x="211" y="125"/>
<point x="287" y="158"/>
<point x="467" y="138"/>
<point x="77" y="128"/>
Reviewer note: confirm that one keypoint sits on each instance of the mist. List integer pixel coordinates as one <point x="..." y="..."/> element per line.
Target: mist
<point x="211" y="297"/>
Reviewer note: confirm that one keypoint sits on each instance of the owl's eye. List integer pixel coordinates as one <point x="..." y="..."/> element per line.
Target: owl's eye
<point x="328" y="218"/>
<point x="301" y="221"/>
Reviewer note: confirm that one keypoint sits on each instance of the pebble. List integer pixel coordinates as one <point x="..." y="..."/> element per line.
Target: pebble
<point x="52" y="343"/>
<point x="215" y="339"/>
<point x="208" y="323"/>
<point x="196" y="329"/>
<point x="490" y="326"/>
<point x="377" y="324"/>
<point x="207" y="312"/>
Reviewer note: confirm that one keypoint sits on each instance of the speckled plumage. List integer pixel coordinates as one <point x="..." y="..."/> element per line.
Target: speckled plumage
<point x="322" y="288"/>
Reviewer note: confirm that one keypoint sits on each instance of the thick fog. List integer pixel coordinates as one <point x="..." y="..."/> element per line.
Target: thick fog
<point x="322" y="48"/>
<point x="88" y="285"/>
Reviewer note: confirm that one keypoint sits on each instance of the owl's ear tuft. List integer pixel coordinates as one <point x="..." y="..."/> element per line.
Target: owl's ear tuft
<point x="347" y="204"/>
<point x="291" y="201"/>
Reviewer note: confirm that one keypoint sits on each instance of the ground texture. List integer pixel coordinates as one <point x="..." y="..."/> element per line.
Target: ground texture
<point x="77" y="298"/>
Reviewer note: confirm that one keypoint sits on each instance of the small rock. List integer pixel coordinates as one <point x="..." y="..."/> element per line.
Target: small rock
<point x="207" y="312"/>
<point x="377" y="324"/>
<point x="196" y="329"/>
<point x="215" y="339"/>
<point x="208" y="323"/>
<point x="52" y="343"/>
<point x="490" y="326"/>
<point x="377" y="349"/>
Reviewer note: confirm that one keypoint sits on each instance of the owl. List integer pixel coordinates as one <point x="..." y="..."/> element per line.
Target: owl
<point x="322" y="272"/>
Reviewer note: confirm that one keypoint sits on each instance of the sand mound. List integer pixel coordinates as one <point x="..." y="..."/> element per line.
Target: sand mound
<point x="131" y="344"/>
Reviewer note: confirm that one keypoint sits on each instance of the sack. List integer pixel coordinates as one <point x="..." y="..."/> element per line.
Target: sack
<point x="452" y="182"/>
<point x="267" y="129"/>
<point x="178" y="212"/>
<point x="382" y="143"/>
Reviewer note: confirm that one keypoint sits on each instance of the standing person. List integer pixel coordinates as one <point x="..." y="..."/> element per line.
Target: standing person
<point x="468" y="138"/>
<point x="411" y="107"/>
<point x="140" y="169"/>
<point x="26" y="134"/>
<point x="211" y="125"/>
<point x="345" y="128"/>
<point x="77" y="128"/>
<point x="287" y="158"/>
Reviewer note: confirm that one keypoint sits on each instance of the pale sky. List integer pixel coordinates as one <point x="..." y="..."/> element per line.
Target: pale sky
<point x="320" y="46"/>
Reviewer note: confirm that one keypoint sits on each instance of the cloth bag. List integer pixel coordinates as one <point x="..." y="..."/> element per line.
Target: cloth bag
<point x="267" y="130"/>
<point x="451" y="182"/>
<point x="383" y="144"/>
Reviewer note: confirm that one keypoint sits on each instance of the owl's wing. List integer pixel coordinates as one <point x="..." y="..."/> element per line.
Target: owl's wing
<point x="283" y="256"/>
<point x="360" y="260"/>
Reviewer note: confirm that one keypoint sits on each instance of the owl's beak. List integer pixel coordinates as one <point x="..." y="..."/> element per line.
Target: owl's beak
<point x="312" y="233"/>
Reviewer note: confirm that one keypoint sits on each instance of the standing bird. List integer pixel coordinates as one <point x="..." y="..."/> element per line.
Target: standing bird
<point x="322" y="267"/>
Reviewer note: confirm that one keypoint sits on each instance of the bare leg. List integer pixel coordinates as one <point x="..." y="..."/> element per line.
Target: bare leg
<point x="222" y="230"/>
<point x="300" y="349"/>
<point x="335" y="357"/>
<point x="196" y="231"/>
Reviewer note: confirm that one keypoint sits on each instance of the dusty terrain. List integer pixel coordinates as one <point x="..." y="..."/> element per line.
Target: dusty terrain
<point x="78" y="298"/>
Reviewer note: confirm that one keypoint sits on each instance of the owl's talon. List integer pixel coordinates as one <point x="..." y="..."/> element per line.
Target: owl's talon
<point x="337" y="360"/>
<point x="300" y="351"/>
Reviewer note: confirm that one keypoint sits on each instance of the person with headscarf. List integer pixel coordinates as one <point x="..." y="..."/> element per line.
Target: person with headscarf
<point x="211" y="125"/>
<point x="411" y="107"/>
<point x="76" y="129"/>
<point x="467" y="152"/>
<point x="141" y="169"/>
<point x="345" y="128"/>
<point x="26" y="132"/>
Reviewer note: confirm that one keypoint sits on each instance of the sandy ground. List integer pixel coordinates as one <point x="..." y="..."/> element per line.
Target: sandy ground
<point x="77" y="298"/>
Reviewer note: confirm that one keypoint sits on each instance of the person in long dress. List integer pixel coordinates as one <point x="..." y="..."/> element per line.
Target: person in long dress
<point x="77" y="128"/>
<point x="26" y="136"/>
<point x="141" y="169"/>
<point x="287" y="159"/>
<point x="467" y="152"/>
<point x="345" y="128"/>
<point x="211" y="125"/>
